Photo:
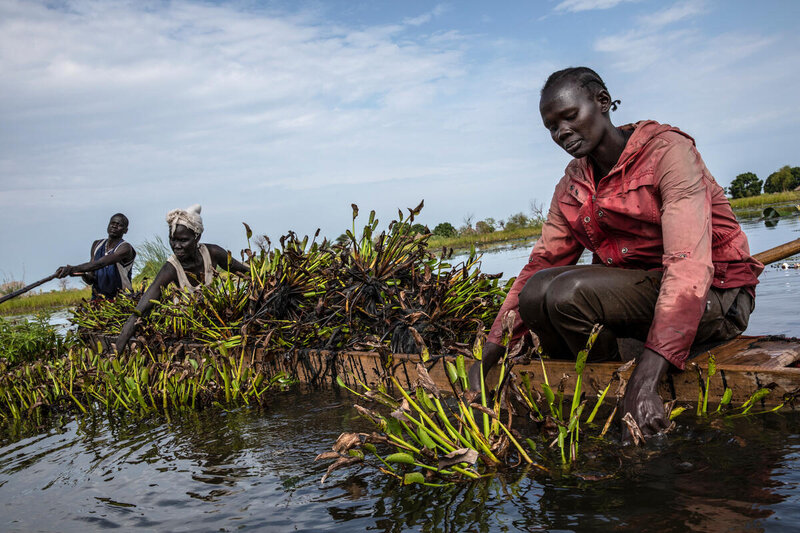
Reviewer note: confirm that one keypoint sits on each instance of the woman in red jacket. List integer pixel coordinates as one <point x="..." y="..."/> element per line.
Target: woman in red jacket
<point x="671" y="266"/>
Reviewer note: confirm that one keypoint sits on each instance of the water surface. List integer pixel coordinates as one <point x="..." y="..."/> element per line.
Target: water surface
<point x="252" y="468"/>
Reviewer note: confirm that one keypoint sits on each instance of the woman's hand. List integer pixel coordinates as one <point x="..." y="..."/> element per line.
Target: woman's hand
<point x="491" y="354"/>
<point x="642" y="400"/>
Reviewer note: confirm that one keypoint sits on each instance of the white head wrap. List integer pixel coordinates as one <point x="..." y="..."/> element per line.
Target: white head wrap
<point x="189" y="217"/>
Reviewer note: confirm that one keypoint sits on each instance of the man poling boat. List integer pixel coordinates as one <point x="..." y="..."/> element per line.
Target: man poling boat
<point x="111" y="261"/>
<point x="671" y="265"/>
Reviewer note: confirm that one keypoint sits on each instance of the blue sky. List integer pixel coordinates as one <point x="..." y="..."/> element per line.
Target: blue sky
<point x="282" y="114"/>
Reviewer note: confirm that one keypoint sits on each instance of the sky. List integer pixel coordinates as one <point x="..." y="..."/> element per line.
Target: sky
<point x="283" y="113"/>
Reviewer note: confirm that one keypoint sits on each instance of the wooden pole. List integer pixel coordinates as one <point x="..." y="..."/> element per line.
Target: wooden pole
<point x="779" y="252"/>
<point x="25" y="289"/>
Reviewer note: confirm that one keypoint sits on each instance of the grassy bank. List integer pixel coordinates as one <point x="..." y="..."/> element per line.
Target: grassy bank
<point x="465" y="241"/>
<point x="31" y="303"/>
<point x="764" y="200"/>
<point x="753" y="206"/>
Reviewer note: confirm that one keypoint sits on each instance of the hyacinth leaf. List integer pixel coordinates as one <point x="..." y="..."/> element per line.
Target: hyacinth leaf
<point x="548" y="394"/>
<point x="412" y="478"/>
<point x="676" y="412"/>
<point x="400" y="457"/>
<point x="452" y="372"/>
<point x="461" y="367"/>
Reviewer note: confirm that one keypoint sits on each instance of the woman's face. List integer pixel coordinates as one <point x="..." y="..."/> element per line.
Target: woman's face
<point x="183" y="242"/>
<point x="576" y="120"/>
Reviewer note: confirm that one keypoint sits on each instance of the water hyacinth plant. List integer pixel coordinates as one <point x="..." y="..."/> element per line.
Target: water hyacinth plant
<point x="138" y="382"/>
<point x="372" y="289"/>
<point x="468" y="434"/>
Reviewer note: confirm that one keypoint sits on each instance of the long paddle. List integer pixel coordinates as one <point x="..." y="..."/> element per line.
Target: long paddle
<point x="26" y="288"/>
<point x="779" y="252"/>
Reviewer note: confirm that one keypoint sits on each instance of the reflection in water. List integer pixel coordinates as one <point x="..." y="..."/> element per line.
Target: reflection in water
<point x="253" y="468"/>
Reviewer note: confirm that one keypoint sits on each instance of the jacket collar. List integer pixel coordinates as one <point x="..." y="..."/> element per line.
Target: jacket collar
<point x="643" y="132"/>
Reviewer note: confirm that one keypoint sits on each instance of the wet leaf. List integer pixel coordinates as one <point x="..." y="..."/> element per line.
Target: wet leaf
<point x="340" y="463"/>
<point x="412" y="478"/>
<point x="399" y="457"/>
<point x="462" y="455"/>
<point x="633" y="428"/>
<point x="346" y="441"/>
<point x="424" y="380"/>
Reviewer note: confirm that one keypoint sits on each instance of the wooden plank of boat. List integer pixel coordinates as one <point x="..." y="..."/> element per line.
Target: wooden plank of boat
<point x="744" y="364"/>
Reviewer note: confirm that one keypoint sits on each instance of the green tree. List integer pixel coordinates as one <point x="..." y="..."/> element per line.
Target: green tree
<point x="517" y="221"/>
<point x="445" y="229"/>
<point x="483" y="226"/>
<point x="745" y="185"/>
<point x="419" y="228"/>
<point x="782" y="180"/>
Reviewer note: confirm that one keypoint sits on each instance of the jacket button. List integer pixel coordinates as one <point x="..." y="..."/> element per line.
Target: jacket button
<point x="624" y="250"/>
<point x="609" y="260"/>
<point x="587" y="220"/>
<point x="599" y="213"/>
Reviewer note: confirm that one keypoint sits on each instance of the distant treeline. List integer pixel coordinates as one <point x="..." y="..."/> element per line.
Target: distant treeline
<point x="787" y="178"/>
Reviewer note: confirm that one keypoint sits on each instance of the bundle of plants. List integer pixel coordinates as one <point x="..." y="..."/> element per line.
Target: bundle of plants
<point x="23" y="340"/>
<point x="368" y="291"/>
<point x="374" y="290"/>
<point x="433" y="437"/>
<point x="138" y="382"/>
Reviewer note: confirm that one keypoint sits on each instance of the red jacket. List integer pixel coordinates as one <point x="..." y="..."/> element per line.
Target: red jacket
<point x="659" y="208"/>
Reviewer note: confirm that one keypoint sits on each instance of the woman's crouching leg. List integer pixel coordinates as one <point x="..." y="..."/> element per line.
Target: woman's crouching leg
<point x="621" y="300"/>
<point x="533" y="311"/>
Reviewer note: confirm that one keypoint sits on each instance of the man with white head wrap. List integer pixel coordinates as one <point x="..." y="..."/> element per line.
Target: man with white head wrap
<point x="192" y="264"/>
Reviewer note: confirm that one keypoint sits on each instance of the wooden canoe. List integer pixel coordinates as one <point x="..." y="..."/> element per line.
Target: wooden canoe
<point x="744" y="364"/>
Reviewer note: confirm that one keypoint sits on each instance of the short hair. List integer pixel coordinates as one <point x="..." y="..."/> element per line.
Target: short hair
<point x="584" y="77"/>
<point x="123" y="217"/>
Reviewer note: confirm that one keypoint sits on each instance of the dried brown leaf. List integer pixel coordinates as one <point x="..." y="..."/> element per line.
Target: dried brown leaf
<point x="482" y="409"/>
<point x="633" y="428"/>
<point x="340" y="463"/>
<point x="327" y="455"/>
<point x="424" y="380"/>
<point x="346" y="441"/>
<point x="462" y="455"/>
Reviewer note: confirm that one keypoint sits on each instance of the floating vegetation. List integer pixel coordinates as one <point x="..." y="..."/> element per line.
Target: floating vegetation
<point x="24" y="340"/>
<point x="367" y="291"/>
<point x="438" y="439"/>
<point x="432" y="438"/>
<point x="138" y="382"/>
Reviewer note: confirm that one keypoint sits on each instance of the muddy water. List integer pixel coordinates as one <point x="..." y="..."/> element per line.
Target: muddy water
<point x="252" y="469"/>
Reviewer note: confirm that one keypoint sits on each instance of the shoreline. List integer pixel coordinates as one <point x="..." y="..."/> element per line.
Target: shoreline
<point x="744" y="209"/>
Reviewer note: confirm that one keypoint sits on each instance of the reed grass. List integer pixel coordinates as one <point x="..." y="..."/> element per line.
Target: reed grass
<point x="764" y="200"/>
<point x="31" y="303"/>
<point x="463" y="242"/>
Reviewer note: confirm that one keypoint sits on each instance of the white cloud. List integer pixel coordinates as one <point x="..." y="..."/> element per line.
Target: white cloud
<point x="574" y="6"/>
<point x="675" y="13"/>
<point x="150" y="106"/>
